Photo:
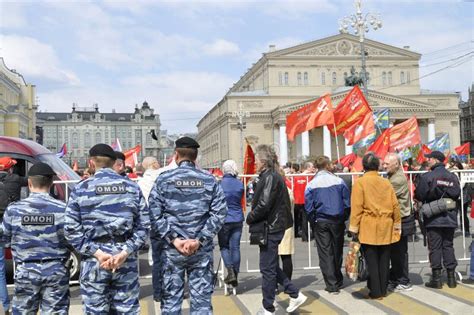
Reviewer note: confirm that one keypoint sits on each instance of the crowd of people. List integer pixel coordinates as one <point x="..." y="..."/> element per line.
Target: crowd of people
<point x="181" y="208"/>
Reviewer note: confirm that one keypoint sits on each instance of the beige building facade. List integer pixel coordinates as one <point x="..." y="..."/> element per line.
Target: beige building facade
<point x="17" y="105"/>
<point x="285" y="80"/>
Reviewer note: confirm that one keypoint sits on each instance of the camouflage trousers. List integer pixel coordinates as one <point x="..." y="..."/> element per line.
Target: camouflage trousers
<point x="107" y="292"/>
<point x="43" y="287"/>
<point x="199" y="269"/>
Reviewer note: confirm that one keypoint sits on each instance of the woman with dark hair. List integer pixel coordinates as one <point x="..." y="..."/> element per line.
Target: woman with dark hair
<point x="271" y="211"/>
<point x="375" y="222"/>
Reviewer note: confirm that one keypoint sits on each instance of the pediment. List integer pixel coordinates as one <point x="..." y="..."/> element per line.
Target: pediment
<point x="343" y="45"/>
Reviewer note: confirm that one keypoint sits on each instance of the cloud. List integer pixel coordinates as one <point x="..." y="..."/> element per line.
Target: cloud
<point x="297" y="9"/>
<point x="221" y="47"/>
<point x="32" y="58"/>
<point x="12" y="15"/>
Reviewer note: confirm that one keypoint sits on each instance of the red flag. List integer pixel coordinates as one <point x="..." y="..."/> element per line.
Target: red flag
<point x="249" y="162"/>
<point x="312" y="115"/>
<point x="381" y="146"/>
<point x="404" y="135"/>
<point x="347" y="160"/>
<point x="349" y="111"/>
<point x="361" y="129"/>
<point x="357" y="166"/>
<point x="421" y="154"/>
<point x="463" y="149"/>
<point x="131" y="156"/>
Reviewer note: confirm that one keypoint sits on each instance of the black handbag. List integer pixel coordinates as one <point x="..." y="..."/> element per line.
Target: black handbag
<point x="259" y="233"/>
<point x="362" y="271"/>
<point x="408" y="225"/>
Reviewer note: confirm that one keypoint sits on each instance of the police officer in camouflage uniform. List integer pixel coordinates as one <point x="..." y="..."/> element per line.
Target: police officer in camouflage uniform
<point x="187" y="209"/>
<point x="107" y="221"/>
<point x="35" y="228"/>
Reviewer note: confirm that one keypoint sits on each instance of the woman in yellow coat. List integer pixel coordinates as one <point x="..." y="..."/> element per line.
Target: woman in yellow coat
<point x="375" y="221"/>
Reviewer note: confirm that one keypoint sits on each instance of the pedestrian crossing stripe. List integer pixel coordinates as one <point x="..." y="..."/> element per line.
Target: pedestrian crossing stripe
<point x="312" y="305"/>
<point x="439" y="301"/>
<point x="460" y="292"/>
<point x="222" y="304"/>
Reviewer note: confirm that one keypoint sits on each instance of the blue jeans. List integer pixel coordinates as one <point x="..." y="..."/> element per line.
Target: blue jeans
<point x="3" y="281"/>
<point x="229" y="243"/>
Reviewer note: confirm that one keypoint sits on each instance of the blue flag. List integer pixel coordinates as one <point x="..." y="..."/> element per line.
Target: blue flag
<point x="440" y="143"/>
<point x="405" y="154"/>
<point x="381" y="118"/>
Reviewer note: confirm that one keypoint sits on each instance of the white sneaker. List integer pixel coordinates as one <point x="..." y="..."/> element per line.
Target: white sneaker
<point x="263" y="311"/>
<point x="403" y="287"/>
<point x="297" y="302"/>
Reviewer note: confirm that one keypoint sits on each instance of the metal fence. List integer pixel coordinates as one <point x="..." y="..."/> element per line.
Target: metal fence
<point x="306" y="256"/>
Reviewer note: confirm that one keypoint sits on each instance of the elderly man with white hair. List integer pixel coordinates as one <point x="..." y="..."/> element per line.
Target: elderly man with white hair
<point x="229" y="235"/>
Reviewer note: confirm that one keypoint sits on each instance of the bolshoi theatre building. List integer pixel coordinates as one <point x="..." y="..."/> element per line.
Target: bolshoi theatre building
<point x="282" y="81"/>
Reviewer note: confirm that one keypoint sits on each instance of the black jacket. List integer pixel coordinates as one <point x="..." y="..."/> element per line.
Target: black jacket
<point x="271" y="202"/>
<point x="13" y="184"/>
<point x="437" y="184"/>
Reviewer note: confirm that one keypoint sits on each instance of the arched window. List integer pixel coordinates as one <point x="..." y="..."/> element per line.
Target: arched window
<point x="280" y="78"/>
<point x="98" y="137"/>
<point x="323" y="78"/>
<point x="305" y="78"/>
<point x="384" y="78"/>
<point x="390" y="78"/>
<point x="87" y="140"/>
<point x="286" y="78"/>
<point x="75" y="140"/>
<point x="402" y="77"/>
<point x="299" y="78"/>
<point x="334" y="78"/>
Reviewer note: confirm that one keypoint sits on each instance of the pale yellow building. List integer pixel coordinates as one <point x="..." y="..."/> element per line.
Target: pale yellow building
<point x="282" y="81"/>
<point x="17" y="105"/>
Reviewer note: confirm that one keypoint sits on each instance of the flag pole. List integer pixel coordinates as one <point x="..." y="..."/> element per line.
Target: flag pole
<point x="337" y="142"/>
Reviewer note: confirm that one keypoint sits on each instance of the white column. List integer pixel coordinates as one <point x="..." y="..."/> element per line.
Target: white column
<point x="283" y="146"/>
<point x="348" y="148"/>
<point x="305" y="144"/>
<point x="431" y="130"/>
<point x="327" y="142"/>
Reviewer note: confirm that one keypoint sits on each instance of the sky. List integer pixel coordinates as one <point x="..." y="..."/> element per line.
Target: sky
<point x="183" y="56"/>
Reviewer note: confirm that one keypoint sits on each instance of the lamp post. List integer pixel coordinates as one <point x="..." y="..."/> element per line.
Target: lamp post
<point x="361" y="25"/>
<point x="241" y="114"/>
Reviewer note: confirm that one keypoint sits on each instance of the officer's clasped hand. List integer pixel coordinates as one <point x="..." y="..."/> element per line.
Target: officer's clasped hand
<point x="186" y="247"/>
<point x="109" y="262"/>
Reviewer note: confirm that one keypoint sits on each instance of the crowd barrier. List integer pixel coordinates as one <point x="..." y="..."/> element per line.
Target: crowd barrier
<point x="417" y="254"/>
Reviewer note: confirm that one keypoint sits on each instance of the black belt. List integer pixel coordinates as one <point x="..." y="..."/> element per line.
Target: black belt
<point x="108" y="239"/>
<point x="41" y="261"/>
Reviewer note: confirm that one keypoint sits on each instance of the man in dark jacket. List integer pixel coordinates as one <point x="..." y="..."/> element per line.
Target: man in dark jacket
<point x="271" y="204"/>
<point x="434" y="185"/>
<point x="12" y="182"/>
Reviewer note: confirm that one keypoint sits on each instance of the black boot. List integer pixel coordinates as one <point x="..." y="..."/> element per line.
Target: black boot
<point x="451" y="278"/>
<point x="230" y="276"/>
<point x="435" y="281"/>
<point x="236" y="282"/>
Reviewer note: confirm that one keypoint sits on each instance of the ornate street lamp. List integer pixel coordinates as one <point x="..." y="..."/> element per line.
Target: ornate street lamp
<point x="241" y="114"/>
<point x="361" y="25"/>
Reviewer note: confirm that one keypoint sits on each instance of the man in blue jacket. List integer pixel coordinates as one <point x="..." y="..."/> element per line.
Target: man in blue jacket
<point x="327" y="204"/>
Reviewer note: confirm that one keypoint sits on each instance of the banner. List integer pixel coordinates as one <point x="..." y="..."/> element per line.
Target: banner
<point x="116" y="145"/>
<point x="249" y="162"/>
<point x="360" y="130"/>
<point x="347" y="160"/>
<point x="463" y="149"/>
<point x="62" y="152"/>
<point x="131" y="156"/>
<point x="312" y="115"/>
<point x="405" y="154"/>
<point x="404" y="135"/>
<point x="381" y="118"/>
<point x="349" y="111"/>
<point x="421" y="154"/>
<point x="440" y="143"/>
<point x="364" y="142"/>
<point x="381" y="146"/>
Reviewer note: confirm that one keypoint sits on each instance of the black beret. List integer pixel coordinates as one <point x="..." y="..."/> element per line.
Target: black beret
<point x="119" y="155"/>
<point x="436" y="155"/>
<point x="102" y="149"/>
<point x="41" y="169"/>
<point x="187" y="142"/>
